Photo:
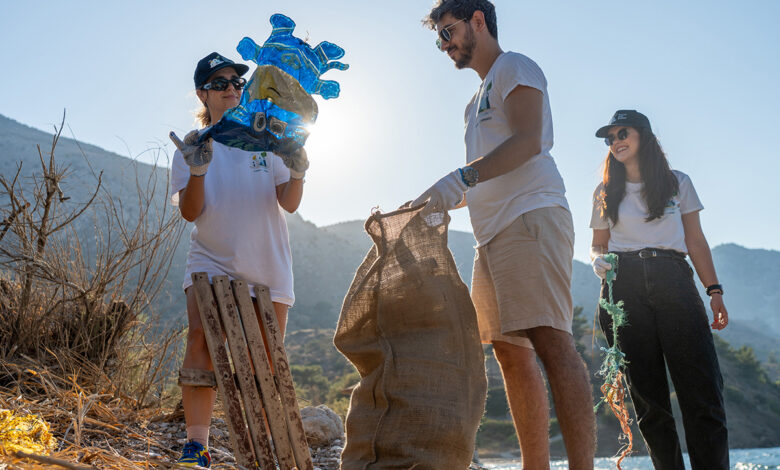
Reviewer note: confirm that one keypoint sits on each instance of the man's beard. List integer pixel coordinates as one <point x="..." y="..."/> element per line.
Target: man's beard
<point x="467" y="51"/>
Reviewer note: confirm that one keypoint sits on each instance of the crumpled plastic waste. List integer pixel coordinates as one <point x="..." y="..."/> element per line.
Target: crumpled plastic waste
<point x="276" y="105"/>
<point x="28" y="433"/>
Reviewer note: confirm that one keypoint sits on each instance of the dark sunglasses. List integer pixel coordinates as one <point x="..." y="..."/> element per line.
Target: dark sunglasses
<point x="221" y="84"/>
<point x="444" y="34"/>
<point x="610" y="139"/>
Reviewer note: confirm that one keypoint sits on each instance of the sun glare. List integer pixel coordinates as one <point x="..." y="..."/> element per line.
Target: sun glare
<point x="335" y="139"/>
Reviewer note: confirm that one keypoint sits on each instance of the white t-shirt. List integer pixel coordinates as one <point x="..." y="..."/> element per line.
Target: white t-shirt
<point x="241" y="232"/>
<point x="496" y="203"/>
<point x="632" y="232"/>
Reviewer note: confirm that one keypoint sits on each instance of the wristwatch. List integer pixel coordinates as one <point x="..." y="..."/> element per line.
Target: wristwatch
<point x="469" y="175"/>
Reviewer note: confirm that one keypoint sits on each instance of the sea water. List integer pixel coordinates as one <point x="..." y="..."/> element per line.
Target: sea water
<point x="741" y="459"/>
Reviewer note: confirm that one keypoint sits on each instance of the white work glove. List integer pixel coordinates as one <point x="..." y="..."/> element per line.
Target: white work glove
<point x="600" y="266"/>
<point x="197" y="156"/>
<point x="297" y="162"/>
<point x="444" y="195"/>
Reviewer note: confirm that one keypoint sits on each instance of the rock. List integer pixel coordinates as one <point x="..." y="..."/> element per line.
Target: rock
<point x="322" y="425"/>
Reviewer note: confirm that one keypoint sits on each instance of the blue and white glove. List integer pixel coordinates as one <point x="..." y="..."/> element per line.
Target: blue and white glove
<point x="197" y="156"/>
<point x="600" y="266"/>
<point x="444" y="195"/>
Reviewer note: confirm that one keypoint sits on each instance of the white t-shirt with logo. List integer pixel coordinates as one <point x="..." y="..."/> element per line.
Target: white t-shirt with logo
<point x="632" y="232"/>
<point x="496" y="203"/>
<point x="241" y="232"/>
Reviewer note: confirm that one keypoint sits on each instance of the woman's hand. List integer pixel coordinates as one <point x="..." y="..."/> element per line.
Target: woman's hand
<point x="197" y="156"/>
<point x="601" y="266"/>
<point x="297" y="162"/>
<point x="719" y="313"/>
<point x="598" y="248"/>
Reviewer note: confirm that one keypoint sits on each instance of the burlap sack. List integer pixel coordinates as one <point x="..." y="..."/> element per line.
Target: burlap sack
<point x="409" y="327"/>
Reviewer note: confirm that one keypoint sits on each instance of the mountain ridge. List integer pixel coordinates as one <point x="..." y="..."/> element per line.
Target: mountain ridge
<point x="325" y="258"/>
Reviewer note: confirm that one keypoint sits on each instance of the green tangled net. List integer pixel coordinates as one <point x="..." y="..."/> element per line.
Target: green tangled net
<point x="614" y="358"/>
<point x="613" y="389"/>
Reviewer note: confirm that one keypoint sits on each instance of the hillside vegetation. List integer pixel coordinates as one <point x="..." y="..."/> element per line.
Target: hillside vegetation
<point x="91" y="301"/>
<point x="325" y="258"/>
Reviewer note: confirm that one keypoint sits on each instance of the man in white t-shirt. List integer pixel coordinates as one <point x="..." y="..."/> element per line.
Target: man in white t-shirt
<point x="523" y="227"/>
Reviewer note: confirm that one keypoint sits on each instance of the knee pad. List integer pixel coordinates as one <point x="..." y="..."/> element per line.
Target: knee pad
<point x="197" y="378"/>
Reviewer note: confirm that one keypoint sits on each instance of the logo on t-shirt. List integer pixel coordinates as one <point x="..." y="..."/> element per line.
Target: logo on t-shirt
<point x="259" y="162"/>
<point x="672" y="205"/>
<point x="484" y="102"/>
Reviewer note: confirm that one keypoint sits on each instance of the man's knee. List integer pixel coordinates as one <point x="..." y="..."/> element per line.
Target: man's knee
<point x="514" y="358"/>
<point x="549" y="341"/>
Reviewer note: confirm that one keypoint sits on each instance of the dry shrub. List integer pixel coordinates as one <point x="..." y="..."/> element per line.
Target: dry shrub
<point x="79" y="279"/>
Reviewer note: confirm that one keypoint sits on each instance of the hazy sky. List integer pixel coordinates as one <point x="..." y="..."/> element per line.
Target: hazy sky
<point x="706" y="73"/>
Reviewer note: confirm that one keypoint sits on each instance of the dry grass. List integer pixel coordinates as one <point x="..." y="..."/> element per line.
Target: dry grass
<point x="80" y="344"/>
<point x="93" y="430"/>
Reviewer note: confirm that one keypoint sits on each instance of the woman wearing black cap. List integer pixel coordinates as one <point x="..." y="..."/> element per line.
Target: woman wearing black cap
<point x="648" y="214"/>
<point x="235" y="198"/>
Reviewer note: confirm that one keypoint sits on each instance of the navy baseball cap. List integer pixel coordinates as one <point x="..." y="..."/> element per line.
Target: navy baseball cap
<point x="627" y="118"/>
<point x="213" y="62"/>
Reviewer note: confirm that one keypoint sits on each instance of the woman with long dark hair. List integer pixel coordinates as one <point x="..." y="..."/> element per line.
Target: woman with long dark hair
<point x="648" y="214"/>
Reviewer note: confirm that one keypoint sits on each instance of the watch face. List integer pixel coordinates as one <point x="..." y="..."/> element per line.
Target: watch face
<point x="470" y="176"/>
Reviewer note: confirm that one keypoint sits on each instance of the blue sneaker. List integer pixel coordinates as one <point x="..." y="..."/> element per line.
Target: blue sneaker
<point x="195" y="455"/>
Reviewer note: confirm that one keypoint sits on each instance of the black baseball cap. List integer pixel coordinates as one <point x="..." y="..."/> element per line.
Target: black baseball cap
<point x="213" y="62"/>
<point x="627" y="118"/>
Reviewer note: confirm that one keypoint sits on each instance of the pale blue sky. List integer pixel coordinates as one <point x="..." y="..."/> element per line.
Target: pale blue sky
<point x="705" y="73"/>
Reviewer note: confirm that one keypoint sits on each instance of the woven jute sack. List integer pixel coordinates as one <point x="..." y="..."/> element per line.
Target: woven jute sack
<point x="408" y="325"/>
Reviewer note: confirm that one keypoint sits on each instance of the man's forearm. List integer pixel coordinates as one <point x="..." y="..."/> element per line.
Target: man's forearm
<point x="511" y="154"/>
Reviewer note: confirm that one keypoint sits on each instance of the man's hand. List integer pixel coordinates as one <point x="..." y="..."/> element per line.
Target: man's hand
<point x="719" y="313"/>
<point x="444" y="195"/>
<point x="297" y="162"/>
<point x="197" y="156"/>
<point x="600" y="266"/>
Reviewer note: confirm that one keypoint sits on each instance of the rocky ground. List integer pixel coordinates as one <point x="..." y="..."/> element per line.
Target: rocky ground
<point x="324" y="431"/>
<point x="154" y="440"/>
<point x="172" y="436"/>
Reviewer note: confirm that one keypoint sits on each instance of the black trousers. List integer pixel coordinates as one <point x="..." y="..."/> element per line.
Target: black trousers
<point x="668" y="327"/>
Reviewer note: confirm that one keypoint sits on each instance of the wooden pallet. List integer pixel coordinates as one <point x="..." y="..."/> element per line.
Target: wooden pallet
<point x="256" y="403"/>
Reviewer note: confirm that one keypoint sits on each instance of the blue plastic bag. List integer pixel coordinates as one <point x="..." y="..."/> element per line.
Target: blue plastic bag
<point x="276" y="105"/>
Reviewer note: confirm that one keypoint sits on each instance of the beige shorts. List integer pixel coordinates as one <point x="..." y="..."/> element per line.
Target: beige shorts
<point x="522" y="277"/>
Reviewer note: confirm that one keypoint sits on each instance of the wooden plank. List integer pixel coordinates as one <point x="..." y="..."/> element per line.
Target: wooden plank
<point x="271" y="399"/>
<point x="212" y="328"/>
<point x="284" y="379"/>
<point x="241" y="362"/>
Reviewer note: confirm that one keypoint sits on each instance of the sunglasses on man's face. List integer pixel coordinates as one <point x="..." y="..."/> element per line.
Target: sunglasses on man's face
<point x="610" y="139"/>
<point x="444" y="34"/>
<point x="221" y="84"/>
